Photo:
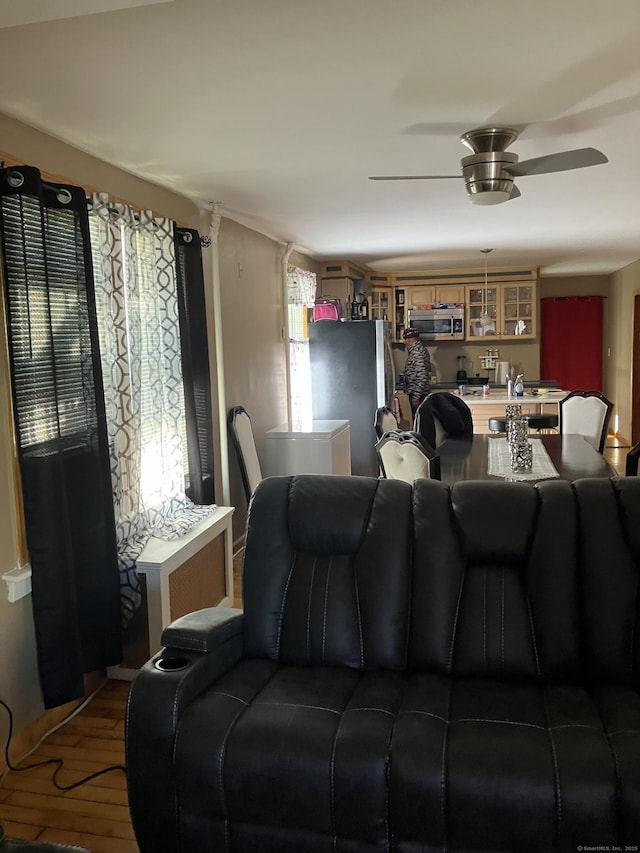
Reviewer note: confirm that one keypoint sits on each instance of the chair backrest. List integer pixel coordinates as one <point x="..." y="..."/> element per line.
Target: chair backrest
<point x="631" y="468"/>
<point x="385" y="421"/>
<point x="442" y="415"/>
<point x="404" y="455"/>
<point x="241" y="433"/>
<point x="586" y="413"/>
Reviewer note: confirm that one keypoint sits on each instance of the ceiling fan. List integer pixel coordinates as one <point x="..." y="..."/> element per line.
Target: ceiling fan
<point x="490" y="171"/>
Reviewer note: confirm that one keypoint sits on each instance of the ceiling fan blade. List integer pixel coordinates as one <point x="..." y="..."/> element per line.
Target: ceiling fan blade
<point x="411" y="177"/>
<point x="561" y="162"/>
<point x="515" y="193"/>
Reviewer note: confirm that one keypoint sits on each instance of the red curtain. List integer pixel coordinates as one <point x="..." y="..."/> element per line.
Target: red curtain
<point x="571" y="341"/>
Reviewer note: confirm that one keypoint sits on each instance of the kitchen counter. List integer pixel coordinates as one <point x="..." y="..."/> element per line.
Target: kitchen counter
<point x="500" y="396"/>
<point x="532" y="383"/>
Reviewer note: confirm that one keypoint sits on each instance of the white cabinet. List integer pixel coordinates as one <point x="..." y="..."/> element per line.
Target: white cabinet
<point x="320" y="447"/>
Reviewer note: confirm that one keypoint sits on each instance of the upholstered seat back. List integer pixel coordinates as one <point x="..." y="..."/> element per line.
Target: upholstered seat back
<point x="495" y="582"/>
<point x="328" y="586"/>
<point x="610" y="544"/>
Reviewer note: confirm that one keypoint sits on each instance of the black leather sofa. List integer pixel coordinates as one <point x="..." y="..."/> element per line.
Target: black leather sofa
<point x="426" y="668"/>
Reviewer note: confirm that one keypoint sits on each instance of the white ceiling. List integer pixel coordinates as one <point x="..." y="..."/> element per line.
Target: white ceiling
<point x="281" y="109"/>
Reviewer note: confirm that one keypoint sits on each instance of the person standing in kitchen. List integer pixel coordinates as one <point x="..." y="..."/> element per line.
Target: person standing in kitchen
<point x="417" y="370"/>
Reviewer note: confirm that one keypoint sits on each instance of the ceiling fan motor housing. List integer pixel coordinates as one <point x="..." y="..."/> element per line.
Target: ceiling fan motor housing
<point x="487" y="177"/>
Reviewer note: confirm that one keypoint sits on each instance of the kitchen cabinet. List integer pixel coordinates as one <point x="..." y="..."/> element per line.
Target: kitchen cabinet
<point x="434" y="295"/>
<point x="381" y="303"/>
<point x="505" y="310"/>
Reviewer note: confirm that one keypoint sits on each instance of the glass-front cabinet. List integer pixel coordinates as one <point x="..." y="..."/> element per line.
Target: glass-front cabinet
<point x="502" y="310"/>
<point x="482" y="312"/>
<point x="518" y="310"/>
<point x="382" y="303"/>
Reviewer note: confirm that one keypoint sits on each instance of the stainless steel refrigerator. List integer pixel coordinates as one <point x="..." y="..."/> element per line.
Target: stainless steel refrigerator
<point x="352" y="375"/>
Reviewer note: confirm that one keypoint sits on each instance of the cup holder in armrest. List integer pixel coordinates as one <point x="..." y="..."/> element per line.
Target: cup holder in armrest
<point x="171" y="664"/>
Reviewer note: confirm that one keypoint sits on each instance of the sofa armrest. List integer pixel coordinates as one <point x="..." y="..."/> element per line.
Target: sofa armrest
<point x="201" y="647"/>
<point x="203" y="630"/>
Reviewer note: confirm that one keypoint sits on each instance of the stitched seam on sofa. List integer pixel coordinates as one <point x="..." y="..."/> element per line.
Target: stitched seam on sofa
<point x="444" y="776"/>
<point x="355" y="581"/>
<point x="455" y="618"/>
<point x="191" y="643"/>
<point x="365" y="526"/>
<point x="324" y="613"/>
<point x="617" y="497"/>
<point x="298" y="705"/>
<point x="223" y="799"/>
<point x="533" y="633"/>
<point x="282" y="606"/>
<point x="484" y="616"/>
<point x="381" y="710"/>
<point x="556" y="771"/>
<point x="313" y="574"/>
<point x="619" y="811"/>
<point x="502" y="619"/>
<point x="229" y="696"/>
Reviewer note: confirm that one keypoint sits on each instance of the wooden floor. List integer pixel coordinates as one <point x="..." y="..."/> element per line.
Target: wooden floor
<point x="95" y="815"/>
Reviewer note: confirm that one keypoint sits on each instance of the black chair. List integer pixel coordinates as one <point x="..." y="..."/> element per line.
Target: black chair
<point x="385" y="421"/>
<point x="442" y="415"/>
<point x="631" y="468"/>
<point x="586" y="413"/>
<point x="241" y="433"/>
<point x="404" y="455"/>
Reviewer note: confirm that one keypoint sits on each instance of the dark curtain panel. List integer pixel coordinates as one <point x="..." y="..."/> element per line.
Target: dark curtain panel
<point x="195" y="366"/>
<point x="61" y="430"/>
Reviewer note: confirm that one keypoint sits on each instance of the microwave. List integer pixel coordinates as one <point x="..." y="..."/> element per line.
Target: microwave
<point x="438" y="324"/>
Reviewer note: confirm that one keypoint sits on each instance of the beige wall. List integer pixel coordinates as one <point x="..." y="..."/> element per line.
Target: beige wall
<point x="625" y="284"/>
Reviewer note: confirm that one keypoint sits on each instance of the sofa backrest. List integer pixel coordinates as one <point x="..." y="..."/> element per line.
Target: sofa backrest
<point x="495" y="580"/>
<point x="609" y="519"/>
<point x="326" y="573"/>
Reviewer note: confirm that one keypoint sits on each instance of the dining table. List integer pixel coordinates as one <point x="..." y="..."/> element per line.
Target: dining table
<point x="555" y="456"/>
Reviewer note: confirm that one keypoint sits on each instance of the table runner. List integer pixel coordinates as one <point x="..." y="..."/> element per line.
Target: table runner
<point x="500" y="462"/>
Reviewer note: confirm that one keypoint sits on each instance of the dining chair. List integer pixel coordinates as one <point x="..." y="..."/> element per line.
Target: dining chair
<point x="404" y="455"/>
<point x="385" y="420"/>
<point x="586" y="413"/>
<point x="442" y="415"/>
<point x="631" y="467"/>
<point x="241" y="433"/>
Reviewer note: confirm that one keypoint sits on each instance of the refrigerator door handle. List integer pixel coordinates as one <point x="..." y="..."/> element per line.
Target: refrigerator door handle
<point x="392" y="378"/>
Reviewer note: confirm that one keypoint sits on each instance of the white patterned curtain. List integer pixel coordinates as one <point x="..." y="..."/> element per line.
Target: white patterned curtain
<point x="301" y="286"/>
<point x="136" y="302"/>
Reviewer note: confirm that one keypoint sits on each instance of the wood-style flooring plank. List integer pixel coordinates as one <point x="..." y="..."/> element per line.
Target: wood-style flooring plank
<point x="30" y="784"/>
<point x="95" y="843"/>
<point x="57" y="818"/>
<point x="94" y="815"/>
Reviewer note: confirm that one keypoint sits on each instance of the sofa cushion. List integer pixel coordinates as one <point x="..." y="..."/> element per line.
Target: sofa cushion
<point x="287" y="758"/>
<point x="495" y="583"/>
<point x="480" y="764"/>
<point x="619" y="710"/>
<point x="610" y="552"/>
<point x="331" y="585"/>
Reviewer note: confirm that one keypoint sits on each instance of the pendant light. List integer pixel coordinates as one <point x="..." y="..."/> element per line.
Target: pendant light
<point x="485" y="319"/>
